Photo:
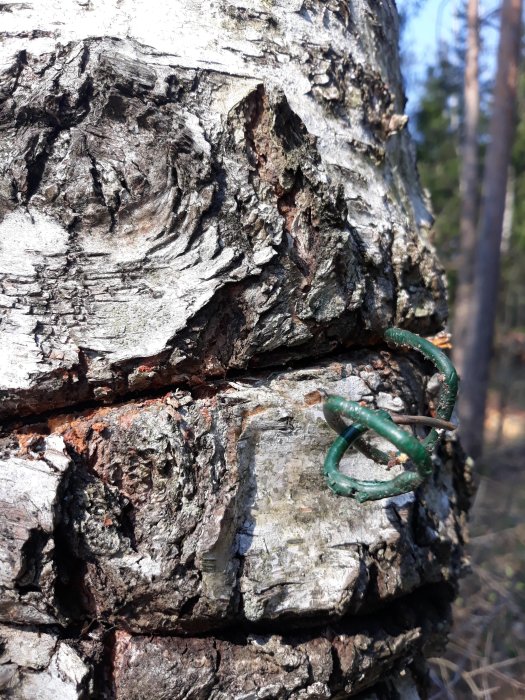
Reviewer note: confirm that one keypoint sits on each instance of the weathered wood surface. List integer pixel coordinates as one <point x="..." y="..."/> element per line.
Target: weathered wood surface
<point x="162" y="220"/>
<point x="187" y="515"/>
<point x="208" y="211"/>
<point x="44" y="666"/>
<point x="334" y="661"/>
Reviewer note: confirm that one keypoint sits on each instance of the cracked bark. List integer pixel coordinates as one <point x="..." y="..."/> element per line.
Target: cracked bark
<point x="204" y="218"/>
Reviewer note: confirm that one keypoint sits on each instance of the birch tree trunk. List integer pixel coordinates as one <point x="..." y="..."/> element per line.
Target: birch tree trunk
<point x="208" y="212"/>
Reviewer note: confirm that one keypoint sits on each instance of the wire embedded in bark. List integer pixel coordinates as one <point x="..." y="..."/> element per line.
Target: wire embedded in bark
<point x="381" y="422"/>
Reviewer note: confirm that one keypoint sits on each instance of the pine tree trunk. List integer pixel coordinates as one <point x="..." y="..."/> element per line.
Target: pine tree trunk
<point x="208" y="212"/>
<point x="469" y="192"/>
<point x="483" y="313"/>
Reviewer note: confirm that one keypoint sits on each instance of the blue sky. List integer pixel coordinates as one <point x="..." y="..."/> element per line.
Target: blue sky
<point x="435" y="22"/>
<point x="425" y="29"/>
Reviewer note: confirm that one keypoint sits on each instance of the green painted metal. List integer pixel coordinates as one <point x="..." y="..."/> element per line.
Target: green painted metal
<point x="450" y="384"/>
<point x="381" y="422"/>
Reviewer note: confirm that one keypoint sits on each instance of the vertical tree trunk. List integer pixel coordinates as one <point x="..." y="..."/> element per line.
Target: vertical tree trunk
<point x="468" y="190"/>
<point x="208" y="212"/>
<point x="479" y="349"/>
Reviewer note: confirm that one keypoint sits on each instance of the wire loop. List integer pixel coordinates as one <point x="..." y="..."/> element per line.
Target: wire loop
<point x="335" y="407"/>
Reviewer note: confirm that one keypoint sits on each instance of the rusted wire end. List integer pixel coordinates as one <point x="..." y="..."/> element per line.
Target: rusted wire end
<point x="439" y="423"/>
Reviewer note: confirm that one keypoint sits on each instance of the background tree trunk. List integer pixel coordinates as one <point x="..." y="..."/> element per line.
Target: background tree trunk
<point x="469" y="179"/>
<point x="208" y="212"/>
<point x="479" y="347"/>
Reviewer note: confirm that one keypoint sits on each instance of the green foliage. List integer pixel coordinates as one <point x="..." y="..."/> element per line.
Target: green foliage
<point x="437" y="128"/>
<point x="437" y="136"/>
<point x="437" y="124"/>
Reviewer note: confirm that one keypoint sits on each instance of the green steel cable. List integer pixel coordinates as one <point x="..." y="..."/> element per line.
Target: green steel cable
<point x="335" y="407"/>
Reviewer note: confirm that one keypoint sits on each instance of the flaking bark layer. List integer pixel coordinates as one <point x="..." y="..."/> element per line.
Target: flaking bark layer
<point x="207" y="514"/>
<point x="207" y="212"/>
<point x="160" y="223"/>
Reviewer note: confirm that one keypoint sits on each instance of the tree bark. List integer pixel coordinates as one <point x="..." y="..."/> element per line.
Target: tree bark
<point x="468" y="222"/>
<point x="209" y="213"/>
<point x="479" y="349"/>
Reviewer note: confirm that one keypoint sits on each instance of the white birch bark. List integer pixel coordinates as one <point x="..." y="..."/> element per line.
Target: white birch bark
<point x="211" y="167"/>
<point x="194" y="197"/>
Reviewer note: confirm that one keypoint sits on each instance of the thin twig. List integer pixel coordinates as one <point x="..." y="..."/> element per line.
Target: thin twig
<point x="486" y="659"/>
<point x="497" y="665"/>
<point x="508" y="679"/>
<point x="402" y="419"/>
<point x="454" y="667"/>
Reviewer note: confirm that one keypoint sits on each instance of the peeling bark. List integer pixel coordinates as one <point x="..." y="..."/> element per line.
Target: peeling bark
<point x="335" y="661"/>
<point x="41" y="665"/>
<point x="206" y="214"/>
<point x="182" y="515"/>
<point x="29" y="492"/>
<point x="171" y="221"/>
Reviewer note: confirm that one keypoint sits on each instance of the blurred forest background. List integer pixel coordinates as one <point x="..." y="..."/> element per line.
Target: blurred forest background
<point x="466" y="89"/>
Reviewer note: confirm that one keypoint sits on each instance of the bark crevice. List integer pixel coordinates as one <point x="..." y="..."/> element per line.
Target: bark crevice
<point x="201" y="226"/>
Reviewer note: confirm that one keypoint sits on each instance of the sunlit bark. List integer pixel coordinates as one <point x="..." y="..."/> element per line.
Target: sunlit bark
<point x="208" y="211"/>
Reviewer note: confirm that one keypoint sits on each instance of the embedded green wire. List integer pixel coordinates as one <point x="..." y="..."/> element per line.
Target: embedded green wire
<point x="335" y="407"/>
<point x="449" y="387"/>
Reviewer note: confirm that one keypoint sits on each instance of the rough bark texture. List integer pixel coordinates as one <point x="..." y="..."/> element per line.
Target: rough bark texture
<point x="204" y="219"/>
<point x="161" y="221"/>
<point x="181" y="515"/>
